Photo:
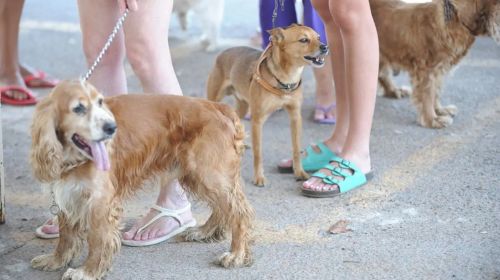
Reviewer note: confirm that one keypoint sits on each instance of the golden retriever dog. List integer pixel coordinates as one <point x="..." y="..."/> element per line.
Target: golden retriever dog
<point x="266" y="81"/>
<point x="427" y="40"/>
<point x="93" y="153"/>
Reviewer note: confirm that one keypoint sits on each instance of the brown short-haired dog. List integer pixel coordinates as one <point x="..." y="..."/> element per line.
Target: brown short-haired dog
<point x="154" y="138"/>
<point x="427" y="40"/>
<point x="269" y="80"/>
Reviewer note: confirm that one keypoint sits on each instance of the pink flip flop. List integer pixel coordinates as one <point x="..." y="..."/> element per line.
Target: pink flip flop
<point x="6" y="99"/>
<point x="41" y="234"/>
<point x="325" y="110"/>
<point x="44" y="82"/>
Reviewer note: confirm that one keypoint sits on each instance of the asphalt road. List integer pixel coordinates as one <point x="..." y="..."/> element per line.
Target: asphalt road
<point x="431" y="212"/>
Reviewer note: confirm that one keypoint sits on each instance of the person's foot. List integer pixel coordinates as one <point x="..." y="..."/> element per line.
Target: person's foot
<point x="318" y="184"/>
<point x="325" y="114"/>
<point x="161" y="227"/>
<point x="36" y="79"/>
<point x="49" y="230"/>
<point x="18" y="90"/>
<point x="287" y="163"/>
<point x="50" y="227"/>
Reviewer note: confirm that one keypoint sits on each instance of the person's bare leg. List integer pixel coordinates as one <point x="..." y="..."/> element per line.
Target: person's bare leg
<point x="356" y="31"/>
<point x="148" y="51"/>
<point x="97" y="19"/>
<point x="146" y="40"/>
<point x="10" y="16"/>
<point x="325" y="92"/>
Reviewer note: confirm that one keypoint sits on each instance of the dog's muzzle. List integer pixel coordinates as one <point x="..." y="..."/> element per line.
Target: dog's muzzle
<point x="319" y="60"/>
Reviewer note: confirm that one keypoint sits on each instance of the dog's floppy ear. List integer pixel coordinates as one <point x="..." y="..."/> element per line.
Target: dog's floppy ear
<point x="46" y="150"/>
<point x="276" y="35"/>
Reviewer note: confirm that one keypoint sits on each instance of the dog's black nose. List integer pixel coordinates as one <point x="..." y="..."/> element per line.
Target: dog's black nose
<point x="109" y="128"/>
<point x="323" y="48"/>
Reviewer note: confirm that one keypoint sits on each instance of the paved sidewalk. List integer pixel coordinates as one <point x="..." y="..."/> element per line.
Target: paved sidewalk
<point x="431" y="212"/>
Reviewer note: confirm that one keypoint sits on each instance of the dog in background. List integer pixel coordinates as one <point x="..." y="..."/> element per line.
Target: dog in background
<point x="210" y="14"/>
<point x="427" y="40"/>
<point x="266" y="81"/>
<point x="154" y="138"/>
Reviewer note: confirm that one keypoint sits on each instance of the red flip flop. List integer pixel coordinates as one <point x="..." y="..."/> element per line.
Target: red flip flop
<point x="41" y="77"/>
<point x="30" y="100"/>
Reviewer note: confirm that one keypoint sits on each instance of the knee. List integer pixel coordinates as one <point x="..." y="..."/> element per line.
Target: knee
<point x="141" y="56"/>
<point x="346" y="15"/>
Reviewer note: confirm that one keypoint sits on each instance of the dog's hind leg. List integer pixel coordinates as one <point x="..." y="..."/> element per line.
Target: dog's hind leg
<point x="213" y="230"/>
<point x="68" y="247"/>
<point x="217" y="84"/>
<point x="241" y="108"/>
<point x="230" y="210"/>
<point x="239" y="214"/>
<point x="389" y="87"/>
<point x="426" y="86"/>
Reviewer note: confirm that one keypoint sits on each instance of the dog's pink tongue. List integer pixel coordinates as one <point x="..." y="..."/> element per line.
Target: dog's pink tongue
<point x="100" y="156"/>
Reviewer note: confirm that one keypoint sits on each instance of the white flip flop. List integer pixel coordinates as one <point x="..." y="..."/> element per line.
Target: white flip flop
<point x="163" y="212"/>
<point x="40" y="234"/>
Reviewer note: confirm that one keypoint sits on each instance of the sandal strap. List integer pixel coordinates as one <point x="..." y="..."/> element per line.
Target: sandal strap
<point x="314" y="160"/>
<point x="326" y="109"/>
<point x="37" y="75"/>
<point x="337" y="171"/>
<point x="328" y="179"/>
<point x="165" y="212"/>
<point x="349" y="182"/>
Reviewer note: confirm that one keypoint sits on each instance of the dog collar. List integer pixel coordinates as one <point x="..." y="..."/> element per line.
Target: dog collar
<point x="288" y="87"/>
<point x="283" y="88"/>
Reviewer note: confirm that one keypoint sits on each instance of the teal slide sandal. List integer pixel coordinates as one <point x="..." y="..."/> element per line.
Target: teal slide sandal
<point x="349" y="180"/>
<point x="313" y="161"/>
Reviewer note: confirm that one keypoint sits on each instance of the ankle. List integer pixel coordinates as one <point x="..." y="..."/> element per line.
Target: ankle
<point x="361" y="159"/>
<point x="334" y="146"/>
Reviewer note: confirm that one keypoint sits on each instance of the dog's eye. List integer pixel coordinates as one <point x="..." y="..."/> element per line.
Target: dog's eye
<point x="100" y="101"/>
<point x="304" y="40"/>
<point x="80" y="109"/>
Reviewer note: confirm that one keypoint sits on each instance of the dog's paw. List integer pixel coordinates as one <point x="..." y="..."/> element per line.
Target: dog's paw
<point x="46" y="262"/>
<point x="76" y="274"/>
<point x="208" y="45"/>
<point x="450" y="110"/>
<point x="437" y="122"/>
<point x="398" y="93"/>
<point x="301" y="175"/>
<point x="259" y="181"/>
<point x="403" y="91"/>
<point x="198" y="235"/>
<point x="230" y="260"/>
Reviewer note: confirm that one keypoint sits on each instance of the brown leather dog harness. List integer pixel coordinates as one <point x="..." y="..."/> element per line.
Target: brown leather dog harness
<point x="285" y="89"/>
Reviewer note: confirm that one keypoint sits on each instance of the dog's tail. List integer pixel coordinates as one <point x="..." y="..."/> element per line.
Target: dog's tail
<point x="239" y="129"/>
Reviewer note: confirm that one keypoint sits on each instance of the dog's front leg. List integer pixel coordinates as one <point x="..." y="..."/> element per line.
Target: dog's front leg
<point x="296" y="130"/>
<point x="68" y="247"/>
<point x="258" y="119"/>
<point x="449" y="110"/>
<point x="104" y="241"/>
<point x="426" y="92"/>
